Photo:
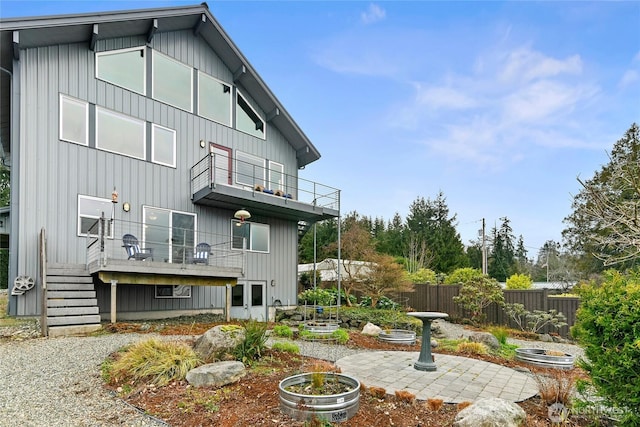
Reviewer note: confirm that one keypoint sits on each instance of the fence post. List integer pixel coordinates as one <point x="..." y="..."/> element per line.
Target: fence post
<point x="545" y="300"/>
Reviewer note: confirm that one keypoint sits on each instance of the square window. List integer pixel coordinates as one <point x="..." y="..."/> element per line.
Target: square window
<point x="90" y="210"/>
<point x="254" y="235"/>
<point x="249" y="170"/>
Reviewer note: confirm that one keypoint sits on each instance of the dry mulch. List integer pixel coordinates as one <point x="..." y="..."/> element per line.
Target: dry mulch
<point x="253" y="401"/>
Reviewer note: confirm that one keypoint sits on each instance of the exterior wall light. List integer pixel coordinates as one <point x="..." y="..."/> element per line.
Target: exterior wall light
<point x="126" y="207"/>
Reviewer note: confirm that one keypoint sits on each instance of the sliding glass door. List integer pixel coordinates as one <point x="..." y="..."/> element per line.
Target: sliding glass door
<point x="171" y="234"/>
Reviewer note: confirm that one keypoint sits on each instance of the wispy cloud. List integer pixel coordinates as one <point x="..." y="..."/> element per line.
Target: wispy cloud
<point x="524" y="64"/>
<point x="373" y="14"/>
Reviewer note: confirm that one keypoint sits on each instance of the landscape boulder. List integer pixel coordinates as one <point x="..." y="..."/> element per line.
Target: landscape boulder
<point x="491" y="412"/>
<point x="485" y="338"/>
<point x="216" y="374"/>
<point x="371" y="329"/>
<point x="218" y="342"/>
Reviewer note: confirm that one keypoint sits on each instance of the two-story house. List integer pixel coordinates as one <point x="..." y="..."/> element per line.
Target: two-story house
<point x="153" y="172"/>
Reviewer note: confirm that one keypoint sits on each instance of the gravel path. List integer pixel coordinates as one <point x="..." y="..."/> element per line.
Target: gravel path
<point x="56" y="382"/>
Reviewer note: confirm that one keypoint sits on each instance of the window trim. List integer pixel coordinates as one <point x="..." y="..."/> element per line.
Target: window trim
<point x="78" y="216"/>
<point x="281" y="172"/>
<point x="153" y="80"/>
<point x="129" y="49"/>
<point x="256" y="117"/>
<point x="85" y="104"/>
<point x="100" y="110"/>
<point x="234" y="223"/>
<point x="153" y="145"/>
<point x="230" y="118"/>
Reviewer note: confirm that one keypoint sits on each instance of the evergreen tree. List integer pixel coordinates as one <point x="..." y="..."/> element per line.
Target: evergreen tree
<point x="502" y="263"/>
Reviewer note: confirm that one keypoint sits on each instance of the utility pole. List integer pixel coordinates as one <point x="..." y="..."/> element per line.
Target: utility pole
<point x="484" y="249"/>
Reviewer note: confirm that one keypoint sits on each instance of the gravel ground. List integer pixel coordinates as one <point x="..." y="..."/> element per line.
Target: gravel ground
<point x="56" y="382"/>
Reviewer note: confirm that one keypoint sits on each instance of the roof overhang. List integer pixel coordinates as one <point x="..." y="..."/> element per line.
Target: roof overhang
<point x="22" y="33"/>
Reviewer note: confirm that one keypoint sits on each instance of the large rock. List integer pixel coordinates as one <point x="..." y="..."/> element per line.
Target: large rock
<point x="216" y="374"/>
<point x="485" y="338"/>
<point x="371" y="329"/>
<point x="218" y="341"/>
<point x="491" y="412"/>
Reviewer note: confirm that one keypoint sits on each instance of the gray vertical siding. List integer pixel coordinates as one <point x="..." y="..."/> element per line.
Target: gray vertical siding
<point x="52" y="173"/>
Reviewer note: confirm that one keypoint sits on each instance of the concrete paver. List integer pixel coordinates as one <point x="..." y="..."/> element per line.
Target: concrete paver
<point x="457" y="379"/>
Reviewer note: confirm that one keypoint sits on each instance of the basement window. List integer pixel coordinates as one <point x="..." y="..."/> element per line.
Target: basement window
<point x="173" y="291"/>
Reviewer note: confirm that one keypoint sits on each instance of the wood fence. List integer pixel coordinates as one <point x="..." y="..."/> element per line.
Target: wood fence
<point x="440" y="298"/>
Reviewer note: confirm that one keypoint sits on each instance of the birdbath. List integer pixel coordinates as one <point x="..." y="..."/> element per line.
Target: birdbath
<point x="425" y="360"/>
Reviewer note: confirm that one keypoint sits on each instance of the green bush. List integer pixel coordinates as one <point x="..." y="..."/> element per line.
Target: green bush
<point x="341" y="335"/>
<point x="534" y="321"/>
<point x="254" y="342"/>
<point x="283" y="331"/>
<point x="383" y="303"/>
<point x="343" y="298"/>
<point x="500" y="332"/>
<point x="461" y="276"/>
<point x="519" y="281"/>
<point x="608" y="327"/>
<point x="477" y="294"/>
<point x="316" y="296"/>
<point x="422" y="276"/>
<point x="287" y="347"/>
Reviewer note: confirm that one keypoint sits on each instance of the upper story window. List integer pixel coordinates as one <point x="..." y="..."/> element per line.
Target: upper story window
<point x="214" y="99"/>
<point x="247" y="120"/>
<point x="250" y="235"/>
<point x="125" y="68"/>
<point x="74" y="119"/>
<point x="172" y="82"/>
<point x="249" y="169"/>
<point x="90" y="209"/>
<point x="163" y="145"/>
<point x="120" y="134"/>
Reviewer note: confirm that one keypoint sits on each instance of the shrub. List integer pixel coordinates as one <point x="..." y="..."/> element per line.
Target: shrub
<point x="534" y="322"/>
<point x="607" y="327"/>
<point x="471" y="348"/>
<point x="422" y="276"/>
<point x="519" y="281"/>
<point x="460" y="276"/>
<point x="287" y="347"/>
<point x="556" y="386"/>
<point x="478" y="294"/>
<point x="501" y="333"/>
<point x="316" y="296"/>
<point x="343" y="297"/>
<point x="383" y="303"/>
<point x="341" y="335"/>
<point x="254" y="342"/>
<point x="283" y="331"/>
<point x="154" y="361"/>
<point x="405" y="396"/>
<point x="377" y="392"/>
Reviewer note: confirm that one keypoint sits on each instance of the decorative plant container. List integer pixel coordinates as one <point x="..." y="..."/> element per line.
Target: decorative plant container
<point x="321" y="328"/>
<point x="545" y="358"/>
<point x="301" y="400"/>
<point x="398" y="336"/>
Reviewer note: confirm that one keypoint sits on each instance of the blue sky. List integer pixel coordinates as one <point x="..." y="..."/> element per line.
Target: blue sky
<point x="499" y="105"/>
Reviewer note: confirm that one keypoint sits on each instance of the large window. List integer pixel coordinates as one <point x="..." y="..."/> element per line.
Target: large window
<point x="120" y="134"/>
<point x="90" y="209"/>
<point x="249" y="169"/>
<point x="163" y="146"/>
<point x="171" y="234"/>
<point x="247" y="120"/>
<point x="254" y="235"/>
<point x="214" y="99"/>
<point x="125" y="68"/>
<point x="172" y="82"/>
<point x="74" y="120"/>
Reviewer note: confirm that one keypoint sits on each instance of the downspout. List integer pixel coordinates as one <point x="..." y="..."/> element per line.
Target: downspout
<point x="11" y="309"/>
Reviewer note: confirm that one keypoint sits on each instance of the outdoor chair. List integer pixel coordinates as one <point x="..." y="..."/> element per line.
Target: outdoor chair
<point x="201" y="255"/>
<point x="134" y="251"/>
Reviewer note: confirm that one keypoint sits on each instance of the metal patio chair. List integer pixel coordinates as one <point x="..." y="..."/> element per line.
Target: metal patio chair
<point x="201" y="255"/>
<point x="134" y="251"/>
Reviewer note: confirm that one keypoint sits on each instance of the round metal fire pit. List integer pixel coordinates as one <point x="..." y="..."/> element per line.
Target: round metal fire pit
<point x="398" y="336"/>
<point x="545" y="358"/>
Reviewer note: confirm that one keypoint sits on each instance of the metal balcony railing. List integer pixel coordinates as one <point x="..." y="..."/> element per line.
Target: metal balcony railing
<point x="174" y="245"/>
<point x="207" y="173"/>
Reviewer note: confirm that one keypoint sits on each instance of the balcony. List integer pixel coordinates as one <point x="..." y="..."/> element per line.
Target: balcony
<point x="264" y="192"/>
<point x="168" y="255"/>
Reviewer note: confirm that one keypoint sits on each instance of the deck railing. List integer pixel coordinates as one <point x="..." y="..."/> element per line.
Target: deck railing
<point x="208" y="173"/>
<point x="104" y="242"/>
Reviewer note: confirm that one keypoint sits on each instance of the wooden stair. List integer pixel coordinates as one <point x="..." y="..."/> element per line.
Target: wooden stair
<point x="72" y="306"/>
